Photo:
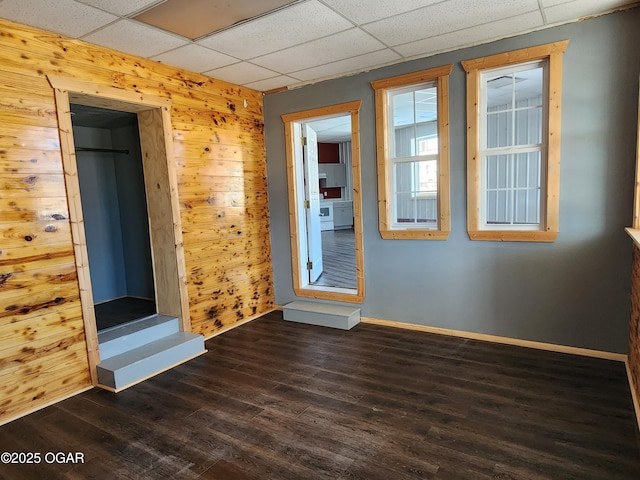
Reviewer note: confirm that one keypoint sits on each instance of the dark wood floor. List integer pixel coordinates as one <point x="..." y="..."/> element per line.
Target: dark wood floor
<point x="122" y="310"/>
<point x="338" y="259"/>
<point x="280" y="400"/>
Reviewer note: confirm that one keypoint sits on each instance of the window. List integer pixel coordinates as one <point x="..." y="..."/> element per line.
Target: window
<point x="513" y="144"/>
<point x="412" y="135"/>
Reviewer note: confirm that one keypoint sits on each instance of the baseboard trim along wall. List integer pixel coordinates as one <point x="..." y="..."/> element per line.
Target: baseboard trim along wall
<point x="634" y="396"/>
<point x="585" y="352"/>
<point x="242" y="322"/>
<point x="618" y="357"/>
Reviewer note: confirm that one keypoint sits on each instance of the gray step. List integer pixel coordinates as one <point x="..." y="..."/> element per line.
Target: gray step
<point x="322" y="314"/>
<point x="134" y="366"/>
<point x="121" y="338"/>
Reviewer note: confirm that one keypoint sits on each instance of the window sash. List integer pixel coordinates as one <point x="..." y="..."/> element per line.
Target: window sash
<point x="392" y="129"/>
<point x="513" y="189"/>
<point x="411" y="198"/>
<point x="500" y="206"/>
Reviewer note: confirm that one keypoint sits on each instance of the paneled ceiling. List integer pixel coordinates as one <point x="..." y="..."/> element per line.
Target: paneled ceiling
<point x="287" y="43"/>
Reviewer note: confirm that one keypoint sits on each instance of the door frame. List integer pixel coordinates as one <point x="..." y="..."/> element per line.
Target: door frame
<point x="163" y="207"/>
<point x="296" y="197"/>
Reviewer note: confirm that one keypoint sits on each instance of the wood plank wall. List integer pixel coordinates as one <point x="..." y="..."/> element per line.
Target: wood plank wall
<point x="221" y="167"/>
<point x="634" y="327"/>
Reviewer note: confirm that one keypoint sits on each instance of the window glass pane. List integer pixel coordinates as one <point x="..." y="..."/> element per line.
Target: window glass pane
<point x="426" y="105"/>
<point x="417" y="178"/>
<point x="416" y="199"/>
<point x="502" y="178"/>
<point x="533" y="206"/>
<point x="414" y="119"/>
<point x="499" y="92"/>
<point x="527" y="206"/>
<point x="403" y="109"/>
<point x="514" y="108"/>
<point x="492" y="171"/>
<point x="498" y="206"/>
<point x="426" y="180"/>
<point x="528" y="85"/>
<point x="404" y="142"/>
<point x="499" y="127"/>
<point x="527" y="173"/>
<point x="403" y="176"/>
<point x="529" y="126"/>
<point x="405" y="208"/>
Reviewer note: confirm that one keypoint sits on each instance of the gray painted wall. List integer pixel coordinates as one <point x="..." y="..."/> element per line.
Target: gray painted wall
<point x="115" y="213"/>
<point x="98" y="189"/>
<point x="133" y="212"/>
<point x="571" y="292"/>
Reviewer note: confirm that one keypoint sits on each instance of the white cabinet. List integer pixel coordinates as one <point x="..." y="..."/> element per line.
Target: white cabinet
<point x="332" y="174"/>
<point x="342" y="215"/>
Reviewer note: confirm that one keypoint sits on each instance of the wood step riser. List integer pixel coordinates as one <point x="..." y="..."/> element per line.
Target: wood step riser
<point x="322" y="314"/>
<point x="116" y="341"/>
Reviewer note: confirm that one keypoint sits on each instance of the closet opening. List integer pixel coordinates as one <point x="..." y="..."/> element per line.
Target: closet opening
<point x="167" y="286"/>
<point x="114" y="208"/>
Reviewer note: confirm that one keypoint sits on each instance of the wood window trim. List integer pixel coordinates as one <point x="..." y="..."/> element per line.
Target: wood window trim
<point x="553" y="53"/>
<point x="634" y="230"/>
<point x="381" y="87"/>
<point x="348" y="108"/>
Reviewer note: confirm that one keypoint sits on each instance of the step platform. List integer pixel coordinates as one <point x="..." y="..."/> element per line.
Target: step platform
<point x="322" y="314"/>
<point x="136" y="351"/>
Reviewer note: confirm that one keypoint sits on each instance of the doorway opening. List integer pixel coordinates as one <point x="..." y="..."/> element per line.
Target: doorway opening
<point x="323" y="164"/>
<point x="162" y="204"/>
<point x="114" y="209"/>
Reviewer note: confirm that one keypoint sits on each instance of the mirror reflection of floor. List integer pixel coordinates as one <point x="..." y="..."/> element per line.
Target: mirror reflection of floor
<point x="338" y="259"/>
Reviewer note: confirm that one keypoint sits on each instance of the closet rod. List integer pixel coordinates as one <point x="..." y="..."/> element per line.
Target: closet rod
<point x="104" y="150"/>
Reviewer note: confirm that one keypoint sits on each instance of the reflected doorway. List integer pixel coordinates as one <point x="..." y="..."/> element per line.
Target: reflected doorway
<point x="335" y="188"/>
<point x="323" y="158"/>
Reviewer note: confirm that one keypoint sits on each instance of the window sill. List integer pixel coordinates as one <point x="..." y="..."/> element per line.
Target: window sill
<point x="513" y="235"/>
<point x="414" y="234"/>
<point x="634" y="233"/>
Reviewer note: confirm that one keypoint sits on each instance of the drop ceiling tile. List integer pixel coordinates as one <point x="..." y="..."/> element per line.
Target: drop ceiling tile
<point x="319" y="52"/>
<point x="551" y="3"/>
<point x="272" y="83"/>
<point x="349" y="65"/>
<point x="62" y="16"/>
<point x="293" y="25"/>
<point x="123" y="7"/>
<point x="445" y="17"/>
<point x="135" y="38"/>
<point x="365" y="11"/>
<point x="580" y="8"/>
<point x="472" y="36"/>
<point x="241" y="73"/>
<point x="195" y="58"/>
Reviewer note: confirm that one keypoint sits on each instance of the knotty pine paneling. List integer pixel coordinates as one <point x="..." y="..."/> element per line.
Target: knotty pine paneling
<point x="221" y="169"/>
<point x="634" y="327"/>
